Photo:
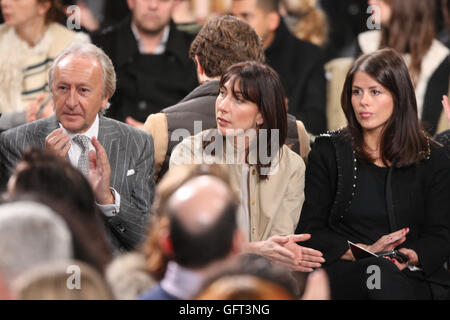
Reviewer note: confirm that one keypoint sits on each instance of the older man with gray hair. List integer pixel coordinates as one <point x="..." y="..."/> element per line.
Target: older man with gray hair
<point x="117" y="159"/>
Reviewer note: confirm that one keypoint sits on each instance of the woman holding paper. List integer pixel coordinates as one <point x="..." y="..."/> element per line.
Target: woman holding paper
<point x="381" y="183"/>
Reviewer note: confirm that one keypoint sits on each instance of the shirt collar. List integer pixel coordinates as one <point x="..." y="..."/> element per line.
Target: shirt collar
<point x="181" y="282"/>
<point x="91" y="132"/>
<point x="160" y="49"/>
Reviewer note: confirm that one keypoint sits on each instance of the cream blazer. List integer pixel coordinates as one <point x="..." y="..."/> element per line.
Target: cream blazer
<point x="274" y="203"/>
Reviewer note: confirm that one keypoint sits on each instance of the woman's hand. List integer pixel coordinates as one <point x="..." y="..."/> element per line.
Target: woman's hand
<point x="47" y="111"/>
<point x="33" y="108"/>
<point x="286" y="251"/>
<point x="305" y="258"/>
<point x="385" y="243"/>
<point x="413" y="259"/>
<point x="388" y="242"/>
<point x="134" y="123"/>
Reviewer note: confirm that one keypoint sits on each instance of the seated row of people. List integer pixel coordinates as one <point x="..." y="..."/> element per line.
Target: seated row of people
<point x="157" y="44"/>
<point x="383" y="140"/>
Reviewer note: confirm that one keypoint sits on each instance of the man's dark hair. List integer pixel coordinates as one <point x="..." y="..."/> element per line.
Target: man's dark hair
<point x="224" y="41"/>
<point x="198" y="249"/>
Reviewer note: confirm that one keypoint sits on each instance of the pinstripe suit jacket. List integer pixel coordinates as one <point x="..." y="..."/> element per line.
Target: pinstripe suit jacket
<point x="127" y="149"/>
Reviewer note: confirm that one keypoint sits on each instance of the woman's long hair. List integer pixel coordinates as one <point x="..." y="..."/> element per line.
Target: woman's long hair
<point x="411" y="29"/>
<point x="260" y="84"/>
<point x="55" y="13"/>
<point x="402" y="138"/>
<point x="312" y="24"/>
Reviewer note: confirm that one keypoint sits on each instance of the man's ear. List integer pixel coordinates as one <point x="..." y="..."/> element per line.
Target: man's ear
<point x="200" y="70"/>
<point x="131" y="4"/>
<point x="167" y="246"/>
<point x="273" y="20"/>
<point x="104" y="102"/>
<point x="166" y="243"/>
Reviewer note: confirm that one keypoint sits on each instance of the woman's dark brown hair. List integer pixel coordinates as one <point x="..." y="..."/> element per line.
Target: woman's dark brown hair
<point x="402" y="138"/>
<point x="411" y="29"/>
<point x="53" y="181"/>
<point x="55" y="13"/>
<point x="260" y="84"/>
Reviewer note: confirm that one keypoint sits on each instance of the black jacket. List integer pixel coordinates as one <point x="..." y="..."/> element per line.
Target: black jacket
<point x="301" y="69"/>
<point x="444" y="138"/>
<point x="147" y="83"/>
<point x="420" y="200"/>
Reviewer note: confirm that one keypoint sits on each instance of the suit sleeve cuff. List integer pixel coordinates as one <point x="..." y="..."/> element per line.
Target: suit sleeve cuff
<point x="110" y="210"/>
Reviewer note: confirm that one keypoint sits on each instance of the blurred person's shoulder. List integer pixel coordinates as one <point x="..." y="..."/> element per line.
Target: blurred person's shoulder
<point x="112" y="32"/>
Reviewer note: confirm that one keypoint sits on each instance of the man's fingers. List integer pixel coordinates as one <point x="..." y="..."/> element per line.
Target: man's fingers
<point x="55" y="136"/>
<point x="58" y="141"/>
<point x="98" y="147"/>
<point x="54" y="133"/>
<point x="102" y="157"/>
<point x="92" y="159"/>
<point x="66" y="148"/>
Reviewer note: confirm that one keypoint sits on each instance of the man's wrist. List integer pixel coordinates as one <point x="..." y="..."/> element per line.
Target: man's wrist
<point x="108" y="198"/>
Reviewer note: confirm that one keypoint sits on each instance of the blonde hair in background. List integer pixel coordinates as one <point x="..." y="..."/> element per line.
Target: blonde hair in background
<point x="204" y="9"/>
<point x="244" y="287"/>
<point x="312" y="22"/>
<point x="50" y="282"/>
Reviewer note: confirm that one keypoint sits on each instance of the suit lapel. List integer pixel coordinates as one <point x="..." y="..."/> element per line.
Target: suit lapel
<point x="47" y="126"/>
<point x="110" y="137"/>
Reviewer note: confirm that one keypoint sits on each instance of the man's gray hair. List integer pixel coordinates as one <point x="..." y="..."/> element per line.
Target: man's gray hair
<point x="30" y="234"/>
<point x="89" y="50"/>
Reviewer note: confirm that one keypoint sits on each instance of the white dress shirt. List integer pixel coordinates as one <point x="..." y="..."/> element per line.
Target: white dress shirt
<point x="74" y="154"/>
<point x="180" y="282"/>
